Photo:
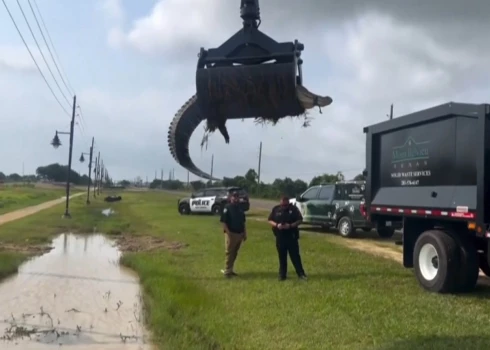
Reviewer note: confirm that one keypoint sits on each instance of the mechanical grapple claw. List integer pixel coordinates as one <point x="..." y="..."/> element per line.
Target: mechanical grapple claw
<point x="249" y="76"/>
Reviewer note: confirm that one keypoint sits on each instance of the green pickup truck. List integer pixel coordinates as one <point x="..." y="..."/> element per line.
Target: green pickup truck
<point x="337" y="206"/>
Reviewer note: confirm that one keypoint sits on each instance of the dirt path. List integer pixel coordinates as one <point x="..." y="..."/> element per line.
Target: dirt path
<point x="21" y="213"/>
<point x="371" y="248"/>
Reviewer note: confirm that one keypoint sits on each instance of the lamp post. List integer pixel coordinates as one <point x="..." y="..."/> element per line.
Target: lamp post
<point x="82" y="159"/>
<point x="57" y="143"/>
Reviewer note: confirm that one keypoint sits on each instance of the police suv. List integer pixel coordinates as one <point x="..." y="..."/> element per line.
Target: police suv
<point x="211" y="200"/>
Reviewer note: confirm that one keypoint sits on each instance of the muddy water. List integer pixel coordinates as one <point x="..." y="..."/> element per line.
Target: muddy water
<point x="77" y="296"/>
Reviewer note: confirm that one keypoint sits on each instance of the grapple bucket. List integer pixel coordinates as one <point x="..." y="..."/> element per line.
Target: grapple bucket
<point x="247" y="91"/>
<point x="250" y="75"/>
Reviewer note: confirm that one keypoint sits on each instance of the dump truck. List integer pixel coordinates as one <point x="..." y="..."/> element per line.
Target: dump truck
<point x="429" y="172"/>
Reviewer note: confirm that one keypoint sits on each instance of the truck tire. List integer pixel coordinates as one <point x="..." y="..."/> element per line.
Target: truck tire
<point x="436" y="258"/>
<point x="386" y="232"/>
<point x="216" y="209"/>
<point x="483" y="264"/>
<point x="468" y="265"/>
<point x="184" y="209"/>
<point x="346" y="227"/>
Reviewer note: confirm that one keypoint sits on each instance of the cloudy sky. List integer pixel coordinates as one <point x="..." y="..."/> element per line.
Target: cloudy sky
<point x="132" y="65"/>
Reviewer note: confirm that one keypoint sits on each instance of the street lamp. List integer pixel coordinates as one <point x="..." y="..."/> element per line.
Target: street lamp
<point x="82" y="159"/>
<point x="57" y="143"/>
<point x="56" y="140"/>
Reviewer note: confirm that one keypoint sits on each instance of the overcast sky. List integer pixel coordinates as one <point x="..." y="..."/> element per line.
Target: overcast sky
<point x="132" y="65"/>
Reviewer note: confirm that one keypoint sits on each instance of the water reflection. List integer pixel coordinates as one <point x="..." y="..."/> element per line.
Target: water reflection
<point x="75" y="294"/>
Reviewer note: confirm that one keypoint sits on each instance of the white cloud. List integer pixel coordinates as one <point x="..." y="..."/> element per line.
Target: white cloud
<point x="366" y="63"/>
<point x="17" y="58"/>
<point x="364" y="58"/>
<point x="175" y="25"/>
<point x="116" y="38"/>
<point x="113" y="9"/>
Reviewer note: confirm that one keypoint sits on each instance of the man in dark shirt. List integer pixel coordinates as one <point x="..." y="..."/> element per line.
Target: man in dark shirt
<point x="233" y="219"/>
<point x="285" y="219"/>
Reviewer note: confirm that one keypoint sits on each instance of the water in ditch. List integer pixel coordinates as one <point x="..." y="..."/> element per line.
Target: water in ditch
<point x="76" y="296"/>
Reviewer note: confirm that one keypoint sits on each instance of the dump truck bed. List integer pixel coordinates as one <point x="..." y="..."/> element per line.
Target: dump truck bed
<point x="431" y="163"/>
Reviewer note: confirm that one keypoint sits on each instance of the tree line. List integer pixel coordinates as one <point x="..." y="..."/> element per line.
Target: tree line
<point x="52" y="173"/>
<point x="250" y="182"/>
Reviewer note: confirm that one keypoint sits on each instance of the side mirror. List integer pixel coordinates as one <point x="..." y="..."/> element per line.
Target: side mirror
<point x="299" y="199"/>
<point x="364" y="173"/>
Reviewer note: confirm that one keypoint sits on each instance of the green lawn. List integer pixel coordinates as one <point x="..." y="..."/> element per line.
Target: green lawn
<point x="352" y="300"/>
<point x="18" y="197"/>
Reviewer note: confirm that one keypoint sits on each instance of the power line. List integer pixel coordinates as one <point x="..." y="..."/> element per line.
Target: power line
<point x="81" y="125"/>
<point x="46" y="43"/>
<point x="69" y="87"/>
<point x="32" y="56"/>
<point x="82" y="119"/>
<point x="41" y="52"/>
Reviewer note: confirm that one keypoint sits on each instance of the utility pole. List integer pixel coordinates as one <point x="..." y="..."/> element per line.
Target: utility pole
<point x="161" y="179"/>
<point x="98" y="175"/>
<point x="101" y="181"/>
<point x="391" y="112"/>
<point x="90" y="171"/>
<point x="260" y="162"/>
<point x="212" y="165"/>
<point x="97" y="161"/>
<point x="173" y="174"/>
<point x="72" y="126"/>
<point x="188" y="183"/>
<point x="101" y="174"/>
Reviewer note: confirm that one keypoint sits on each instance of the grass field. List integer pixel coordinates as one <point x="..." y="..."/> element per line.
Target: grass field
<point x="13" y="198"/>
<point x="351" y="301"/>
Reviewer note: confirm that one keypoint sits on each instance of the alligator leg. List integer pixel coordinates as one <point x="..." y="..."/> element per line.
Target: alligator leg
<point x="222" y="129"/>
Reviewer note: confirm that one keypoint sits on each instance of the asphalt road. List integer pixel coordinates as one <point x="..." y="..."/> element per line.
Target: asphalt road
<point x="260" y="204"/>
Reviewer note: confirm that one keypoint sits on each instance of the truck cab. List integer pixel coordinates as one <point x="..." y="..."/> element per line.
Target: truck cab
<point x="430" y="172"/>
<point x="336" y="205"/>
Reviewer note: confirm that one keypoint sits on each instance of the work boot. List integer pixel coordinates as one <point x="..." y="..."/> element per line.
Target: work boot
<point x="228" y="274"/>
<point x="303" y="277"/>
<point x="282" y="278"/>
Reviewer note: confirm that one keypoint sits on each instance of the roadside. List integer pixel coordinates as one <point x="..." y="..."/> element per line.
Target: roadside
<point x="191" y="306"/>
<point x="21" y="213"/>
<point x="14" y="197"/>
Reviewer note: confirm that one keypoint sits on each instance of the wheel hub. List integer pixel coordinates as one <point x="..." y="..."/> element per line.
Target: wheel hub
<point x="344" y="228"/>
<point x="428" y="262"/>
